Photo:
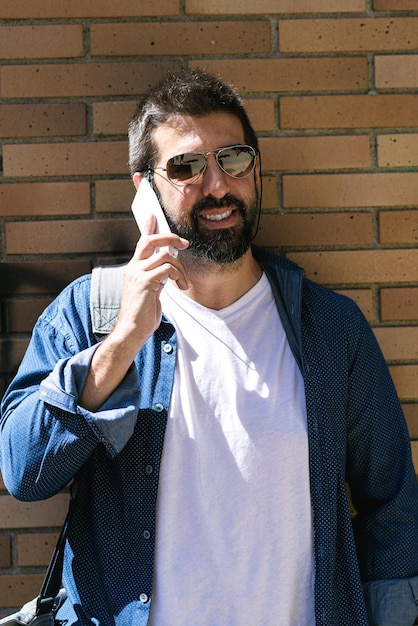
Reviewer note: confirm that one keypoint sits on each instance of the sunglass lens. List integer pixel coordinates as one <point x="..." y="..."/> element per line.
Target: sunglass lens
<point x="237" y="161"/>
<point x="185" y="167"/>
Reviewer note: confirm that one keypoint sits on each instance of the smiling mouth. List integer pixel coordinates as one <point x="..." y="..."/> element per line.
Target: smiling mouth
<point x="218" y="217"/>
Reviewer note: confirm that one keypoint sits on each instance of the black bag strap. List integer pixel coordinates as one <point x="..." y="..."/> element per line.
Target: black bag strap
<point x="53" y="577"/>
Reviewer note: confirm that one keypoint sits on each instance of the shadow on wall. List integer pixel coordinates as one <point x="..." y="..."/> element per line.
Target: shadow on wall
<point x="28" y="281"/>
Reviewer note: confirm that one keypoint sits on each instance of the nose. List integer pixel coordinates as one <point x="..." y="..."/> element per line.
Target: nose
<point x="215" y="182"/>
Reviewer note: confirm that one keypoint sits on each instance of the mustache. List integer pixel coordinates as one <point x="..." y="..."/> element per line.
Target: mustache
<point x="217" y="203"/>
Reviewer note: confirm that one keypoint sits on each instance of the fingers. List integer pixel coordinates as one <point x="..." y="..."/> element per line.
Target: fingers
<point x="150" y="244"/>
<point x="162" y="266"/>
<point x="144" y="279"/>
<point x="158" y="262"/>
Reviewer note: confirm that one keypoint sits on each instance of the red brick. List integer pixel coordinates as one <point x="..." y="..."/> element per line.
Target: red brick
<point x="42" y="120"/>
<point x="362" y="111"/>
<point x="41" y="42"/>
<point x="249" y="7"/>
<point x="82" y="79"/>
<point x="181" y="38"/>
<point x="5" y="552"/>
<point x="270" y="199"/>
<point x="411" y="415"/>
<point x="47" y="513"/>
<point x="40" y="277"/>
<point x="350" y="190"/>
<point x="315" y="229"/>
<point x="114" y="196"/>
<point x="398" y="71"/>
<point x="348" y="34"/>
<point x="262" y="113"/>
<point x="35" y="549"/>
<point x="315" y="153"/>
<point x="360" y="267"/>
<point x="399" y="304"/>
<point x="414" y="448"/>
<point x="363" y="298"/>
<point x="405" y="378"/>
<point x="71" y="236"/>
<point x="112" y="118"/>
<point x="25" y="199"/>
<point x="398" y="227"/>
<point x="113" y="259"/>
<point x="65" y="159"/>
<point x="39" y="9"/>
<point x="22" y="314"/>
<point x="397" y="150"/>
<point x="3" y="384"/>
<point x="282" y="75"/>
<point x="11" y="354"/>
<point x="17" y="589"/>
<point x="395" y="5"/>
<point x="398" y="343"/>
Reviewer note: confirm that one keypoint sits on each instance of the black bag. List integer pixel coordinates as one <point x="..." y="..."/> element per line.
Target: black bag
<point x="31" y="613"/>
<point x="41" y="611"/>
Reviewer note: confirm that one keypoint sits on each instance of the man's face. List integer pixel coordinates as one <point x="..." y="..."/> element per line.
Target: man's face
<point x="218" y="214"/>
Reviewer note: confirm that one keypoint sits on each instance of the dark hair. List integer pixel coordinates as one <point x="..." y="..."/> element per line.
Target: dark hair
<point x="193" y="92"/>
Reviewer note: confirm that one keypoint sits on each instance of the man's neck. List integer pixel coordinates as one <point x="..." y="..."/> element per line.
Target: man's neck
<point x="217" y="286"/>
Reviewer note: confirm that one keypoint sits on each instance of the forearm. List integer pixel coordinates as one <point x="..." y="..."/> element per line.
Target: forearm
<point x="108" y="368"/>
<point x="46" y="436"/>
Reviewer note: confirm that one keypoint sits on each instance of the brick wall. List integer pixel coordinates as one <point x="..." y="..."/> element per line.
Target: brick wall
<point x="331" y="87"/>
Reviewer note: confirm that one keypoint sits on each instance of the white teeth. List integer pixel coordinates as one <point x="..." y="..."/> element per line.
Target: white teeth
<point x="217" y="218"/>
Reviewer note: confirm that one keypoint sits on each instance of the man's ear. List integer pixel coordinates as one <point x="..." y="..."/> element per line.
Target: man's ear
<point x="137" y="177"/>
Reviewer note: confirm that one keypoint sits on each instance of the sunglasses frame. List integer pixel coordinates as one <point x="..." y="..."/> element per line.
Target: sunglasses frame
<point x="252" y="151"/>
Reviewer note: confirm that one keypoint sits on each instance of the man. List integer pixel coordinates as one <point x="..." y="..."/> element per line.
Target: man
<point x="219" y="421"/>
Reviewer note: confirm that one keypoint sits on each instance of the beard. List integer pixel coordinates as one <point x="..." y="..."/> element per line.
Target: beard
<point x="222" y="245"/>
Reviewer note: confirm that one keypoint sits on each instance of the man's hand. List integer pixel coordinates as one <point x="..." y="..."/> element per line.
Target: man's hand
<point x="144" y="278"/>
<point x="140" y="314"/>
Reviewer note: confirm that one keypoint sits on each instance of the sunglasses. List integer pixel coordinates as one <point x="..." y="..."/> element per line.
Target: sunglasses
<point x="185" y="169"/>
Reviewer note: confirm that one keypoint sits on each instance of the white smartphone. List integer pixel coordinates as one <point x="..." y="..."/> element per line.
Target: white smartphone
<point x="145" y="204"/>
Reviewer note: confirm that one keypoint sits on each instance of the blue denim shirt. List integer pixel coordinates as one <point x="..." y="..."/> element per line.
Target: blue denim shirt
<point x="357" y="434"/>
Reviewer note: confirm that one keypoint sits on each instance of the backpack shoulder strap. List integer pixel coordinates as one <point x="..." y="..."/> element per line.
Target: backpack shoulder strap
<point x="105" y="297"/>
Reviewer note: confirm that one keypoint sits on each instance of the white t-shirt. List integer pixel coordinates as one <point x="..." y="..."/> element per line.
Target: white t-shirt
<point x="234" y="527"/>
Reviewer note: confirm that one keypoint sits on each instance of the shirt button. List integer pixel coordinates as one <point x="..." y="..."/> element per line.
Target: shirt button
<point x="149" y="469"/>
<point x="168" y="348"/>
<point x="159" y="407"/>
<point x="144" y="598"/>
<point x="146" y="534"/>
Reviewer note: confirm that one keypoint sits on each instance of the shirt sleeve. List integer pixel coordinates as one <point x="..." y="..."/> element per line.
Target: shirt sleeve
<point x="114" y="422"/>
<point x="380" y="471"/>
<point x="392" y="602"/>
<point x="45" y="437"/>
